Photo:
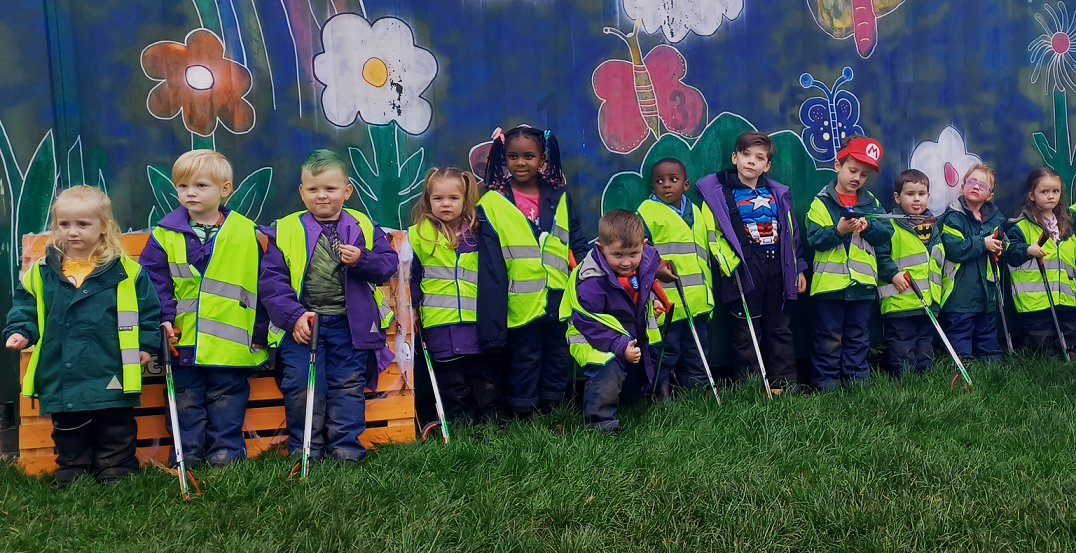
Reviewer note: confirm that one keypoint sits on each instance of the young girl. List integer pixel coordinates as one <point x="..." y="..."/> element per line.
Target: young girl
<point x="530" y="230"/>
<point x="969" y="241"/>
<point x="92" y="315"/>
<point x="1056" y="248"/>
<point x="444" y="286"/>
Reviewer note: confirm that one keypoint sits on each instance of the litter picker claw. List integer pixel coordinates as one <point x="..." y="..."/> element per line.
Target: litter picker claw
<point x="436" y="394"/>
<point x="961" y="371"/>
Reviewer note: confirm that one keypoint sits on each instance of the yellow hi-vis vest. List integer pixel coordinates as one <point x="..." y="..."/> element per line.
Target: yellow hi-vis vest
<point x="216" y="310"/>
<point x="724" y="255"/>
<point x="126" y="324"/>
<point x="838" y="268"/>
<point x="449" y="279"/>
<point x="687" y="247"/>
<point x="555" y="248"/>
<point x="527" y="275"/>
<point x="949" y="268"/>
<point x="1028" y="291"/>
<point x="291" y="239"/>
<point x="581" y="350"/>
<point x="910" y="255"/>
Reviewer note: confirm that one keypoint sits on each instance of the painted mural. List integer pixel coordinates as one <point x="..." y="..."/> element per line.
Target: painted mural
<point x="109" y="93"/>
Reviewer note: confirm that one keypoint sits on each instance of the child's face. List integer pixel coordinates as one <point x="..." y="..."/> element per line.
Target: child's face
<point x="324" y="194"/>
<point x="977" y="189"/>
<point x="524" y="158"/>
<point x="622" y="259"/>
<point x="851" y="175"/>
<point x="79" y="227"/>
<point x="201" y="195"/>
<point x="751" y="163"/>
<point x="1047" y="193"/>
<point x="669" y="182"/>
<point x="913" y="197"/>
<point x="446" y="199"/>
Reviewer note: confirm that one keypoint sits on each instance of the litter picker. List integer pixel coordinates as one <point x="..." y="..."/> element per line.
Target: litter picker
<point x="694" y="333"/>
<point x="1001" y="293"/>
<point x="1050" y="296"/>
<point x="661" y="353"/>
<point x="165" y="357"/>
<point x="914" y="219"/>
<point x="754" y="339"/>
<point x="961" y="371"/>
<point x="309" y="422"/>
<point x="436" y="393"/>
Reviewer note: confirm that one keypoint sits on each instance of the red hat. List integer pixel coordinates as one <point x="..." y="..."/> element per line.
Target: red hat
<point x="867" y="150"/>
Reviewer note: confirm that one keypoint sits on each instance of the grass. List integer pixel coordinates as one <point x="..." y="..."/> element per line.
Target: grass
<point x="889" y="466"/>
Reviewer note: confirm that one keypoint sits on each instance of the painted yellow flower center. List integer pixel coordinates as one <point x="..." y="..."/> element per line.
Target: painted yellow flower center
<point x="375" y="72"/>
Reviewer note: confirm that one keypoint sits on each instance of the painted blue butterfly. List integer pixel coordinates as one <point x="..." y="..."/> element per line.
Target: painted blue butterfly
<point x="829" y="120"/>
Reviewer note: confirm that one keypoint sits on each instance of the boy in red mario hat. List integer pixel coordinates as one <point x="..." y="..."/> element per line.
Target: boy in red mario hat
<point x="845" y="271"/>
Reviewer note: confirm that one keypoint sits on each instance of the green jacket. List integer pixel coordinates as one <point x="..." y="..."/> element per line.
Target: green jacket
<point x="963" y="239"/>
<point x="826" y="237"/>
<point x="80" y="352"/>
<point x="887" y="268"/>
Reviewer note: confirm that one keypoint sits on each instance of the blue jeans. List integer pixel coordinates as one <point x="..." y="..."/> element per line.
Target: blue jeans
<point x="973" y="335"/>
<point x="910" y="341"/>
<point x="339" y="403"/>
<point x="211" y="404"/>
<point x="538" y="362"/>
<point x="841" y="342"/>
<point x="682" y="358"/>
<point x="606" y="386"/>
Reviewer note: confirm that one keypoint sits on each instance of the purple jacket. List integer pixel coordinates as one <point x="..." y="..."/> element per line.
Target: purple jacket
<point x="154" y="261"/>
<point x="712" y="188"/>
<point x="374" y="266"/>
<point x="446" y="341"/>
<point x="600" y="292"/>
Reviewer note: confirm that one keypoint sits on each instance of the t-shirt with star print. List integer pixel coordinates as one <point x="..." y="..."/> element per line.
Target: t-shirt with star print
<point x="758" y="211"/>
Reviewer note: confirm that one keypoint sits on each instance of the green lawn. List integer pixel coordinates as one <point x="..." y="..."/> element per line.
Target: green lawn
<point x="890" y="466"/>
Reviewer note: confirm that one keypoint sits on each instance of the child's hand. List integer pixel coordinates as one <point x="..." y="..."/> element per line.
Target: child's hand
<point x="349" y="254"/>
<point x="172" y="338"/>
<point x="304" y="328"/>
<point x="847" y="226"/>
<point x="993" y="245"/>
<point x="861" y="225"/>
<point x="664" y="273"/>
<point x="1035" y="251"/>
<point x="632" y="353"/>
<point x="144" y="358"/>
<point x="801" y="283"/>
<point x="901" y="282"/>
<point x="257" y="347"/>
<point x="17" y="341"/>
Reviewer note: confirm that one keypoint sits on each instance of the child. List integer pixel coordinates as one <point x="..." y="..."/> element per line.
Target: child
<point x="680" y="232"/>
<point x="444" y="286"/>
<point x="92" y="316"/>
<point x="203" y="260"/>
<point x="845" y="270"/>
<point x="756" y="224"/>
<point x="530" y="229"/>
<point x="327" y="260"/>
<point x="906" y="328"/>
<point x="1043" y="209"/>
<point x="970" y="240"/>
<point x="607" y="299"/>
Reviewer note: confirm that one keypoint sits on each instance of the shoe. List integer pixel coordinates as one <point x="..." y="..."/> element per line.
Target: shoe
<point x="64" y="478"/>
<point x="777" y="391"/>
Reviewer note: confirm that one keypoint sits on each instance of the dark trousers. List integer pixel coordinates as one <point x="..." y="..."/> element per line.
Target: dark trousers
<point x="607" y="385"/>
<point x="1041" y="334"/>
<point x="101" y="443"/>
<point x="911" y="343"/>
<point x="339" y="403"/>
<point x="211" y="405"/>
<point x="537" y="364"/>
<point x="841" y="342"/>
<point x="770" y="315"/>
<point x="470" y="388"/>
<point x="681" y="358"/>
<point x="973" y="335"/>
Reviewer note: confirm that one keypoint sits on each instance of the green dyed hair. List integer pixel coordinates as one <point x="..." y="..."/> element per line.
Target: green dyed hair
<point x="323" y="160"/>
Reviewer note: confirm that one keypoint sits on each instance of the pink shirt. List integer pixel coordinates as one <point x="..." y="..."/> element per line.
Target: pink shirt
<point x="527" y="203"/>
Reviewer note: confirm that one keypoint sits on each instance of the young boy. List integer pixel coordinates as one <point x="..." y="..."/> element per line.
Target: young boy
<point x="328" y="260"/>
<point x="608" y="296"/>
<point x="845" y="269"/>
<point x="757" y="225"/>
<point x="203" y="259"/>
<point x="680" y="232"/>
<point x="906" y="328"/>
<point x="969" y="241"/>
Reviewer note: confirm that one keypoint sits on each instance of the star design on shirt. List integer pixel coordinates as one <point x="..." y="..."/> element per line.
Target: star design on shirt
<point x="760" y="202"/>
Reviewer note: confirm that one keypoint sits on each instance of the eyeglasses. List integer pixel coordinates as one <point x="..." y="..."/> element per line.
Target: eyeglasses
<point x="976" y="183"/>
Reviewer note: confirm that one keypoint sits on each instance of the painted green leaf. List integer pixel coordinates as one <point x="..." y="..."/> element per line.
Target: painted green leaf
<point x="37" y="189"/>
<point x="389" y="179"/>
<point x="249" y="198"/>
<point x="163" y="193"/>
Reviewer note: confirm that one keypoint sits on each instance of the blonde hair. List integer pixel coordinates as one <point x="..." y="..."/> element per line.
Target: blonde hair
<point x="195" y="162"/>
<point x="468" y="187"/>
<point x="985" y="169"/>
<point x="109" y="246"/>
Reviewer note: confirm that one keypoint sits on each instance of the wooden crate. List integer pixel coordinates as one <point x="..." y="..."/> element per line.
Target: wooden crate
<point x="389" y="418"/>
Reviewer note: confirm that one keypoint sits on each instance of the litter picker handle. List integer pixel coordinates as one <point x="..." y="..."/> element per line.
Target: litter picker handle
<point x="315" y="328"/>
<point x="165" y="356"/>
<point x="915" y="287"/>
<point x="660" y="293"/>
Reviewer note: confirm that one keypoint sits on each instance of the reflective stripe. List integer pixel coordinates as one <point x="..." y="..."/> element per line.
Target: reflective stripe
<point x="862" y="268"/>
<point x="651" y="323"/>
<point x="935" y="278"/>
<point x="1037" y="288"/>
<point x="450" y="273"/>
<point x="180" y="270"/>
<point x="711" y="236"/>
<point x="912" y="260"/>
<point x="560" y="234"/>
<point x="696" y="279"/>
<point x="577" y="339"/>
<point x="384" y="311"/>
<point x="552" y="261"/>
<point x="521" y="252"/>
<point x="829" y="267"/>
<point x="129" y="356"/>
<point x="126" y="319"/>
<point x="184" y="307"/>
<point x="676" y="248"/>
<point x="526" y="286"/>
<point x="449" y="302"/>
<point x="232" y="291"/>
<point x="224" y="331"/>
<point x="889" y="290"/>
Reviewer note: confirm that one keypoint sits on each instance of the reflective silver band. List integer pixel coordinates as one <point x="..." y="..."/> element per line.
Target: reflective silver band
<point x="231" y="291"/>
<point x="224" y="331"/>
<point x="126" y="319"/>
<point x="526" y="286"/>
<point x="129" y="356"/>
<point x="177" y="270"/>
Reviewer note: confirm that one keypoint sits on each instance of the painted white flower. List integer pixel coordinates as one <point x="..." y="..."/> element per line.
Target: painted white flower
<point x="677" y="17"/>
<point x="374" y="72"/>
<point x="1055" y="49"/>
<point x="944" y="162"/>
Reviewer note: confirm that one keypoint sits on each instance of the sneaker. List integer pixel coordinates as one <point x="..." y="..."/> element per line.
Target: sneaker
<point x="777" y="391"/>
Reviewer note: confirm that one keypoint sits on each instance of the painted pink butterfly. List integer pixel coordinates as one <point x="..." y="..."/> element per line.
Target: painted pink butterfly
<point x="635" y="95"/>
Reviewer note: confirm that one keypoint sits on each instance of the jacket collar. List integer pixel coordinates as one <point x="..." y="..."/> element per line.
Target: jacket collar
<point x="731" y="178"/>
<point x="863" y="196"/>
<point x="179" y="220"/>
<point x="988" y="211"/>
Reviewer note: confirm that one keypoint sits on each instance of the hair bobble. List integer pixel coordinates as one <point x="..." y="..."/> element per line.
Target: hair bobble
<point x="498" y="134"/>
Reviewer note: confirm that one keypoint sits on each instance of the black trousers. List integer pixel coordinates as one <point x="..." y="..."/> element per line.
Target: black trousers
<point x="470" y="387"/>
<point x="770" y="315"/>
<point x="101" y="443"/>
<point x="1041" y="334"/>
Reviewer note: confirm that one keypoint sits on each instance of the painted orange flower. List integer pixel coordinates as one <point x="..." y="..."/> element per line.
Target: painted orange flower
<point x="197" y="80"/>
